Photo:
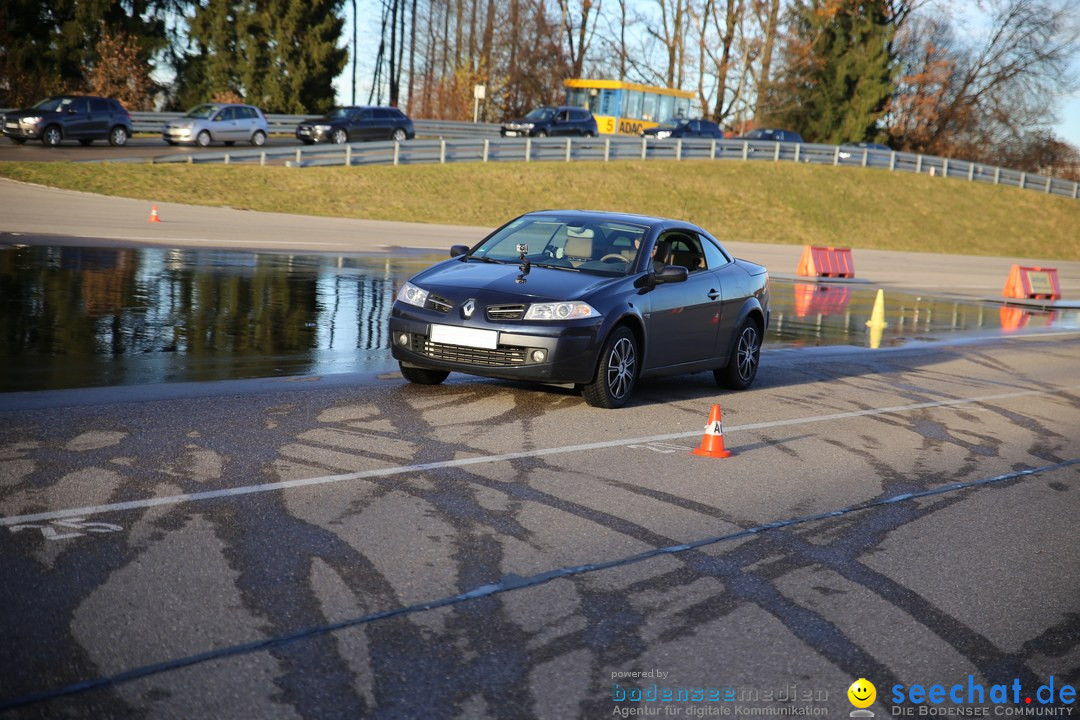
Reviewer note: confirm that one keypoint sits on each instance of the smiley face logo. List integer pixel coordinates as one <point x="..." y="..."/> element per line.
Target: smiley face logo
<point x="862" y="693"/>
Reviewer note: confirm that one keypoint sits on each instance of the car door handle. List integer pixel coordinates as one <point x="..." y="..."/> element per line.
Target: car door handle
<point x="714" y="294"/>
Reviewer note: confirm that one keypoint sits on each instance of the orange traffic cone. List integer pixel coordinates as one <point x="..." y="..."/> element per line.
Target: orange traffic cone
<point x="153" y="214"/>
<point x="712" y="444"/>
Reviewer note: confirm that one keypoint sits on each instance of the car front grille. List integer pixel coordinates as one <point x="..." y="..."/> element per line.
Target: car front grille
<point x="438" y="304"/>
<point x="503" y="356"/>
<point x="505" y="312"/>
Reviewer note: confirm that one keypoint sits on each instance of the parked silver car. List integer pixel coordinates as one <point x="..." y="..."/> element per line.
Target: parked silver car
<point x="218" y="122"/>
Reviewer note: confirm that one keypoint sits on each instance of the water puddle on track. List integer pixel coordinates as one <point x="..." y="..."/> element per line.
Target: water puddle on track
<point x="92" y="317"/>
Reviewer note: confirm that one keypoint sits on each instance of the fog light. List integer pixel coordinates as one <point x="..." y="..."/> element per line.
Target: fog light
<point x="538" y="355"/>
<point x="403" y="339"/>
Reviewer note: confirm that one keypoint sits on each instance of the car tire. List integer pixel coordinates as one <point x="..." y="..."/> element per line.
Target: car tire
<point x="541" y="133"/>
<point x="258" y="138"/>
<point x="616" y="373"/>
<point x="202" y="139"/>
<point x="86" y="142"/>
<point x="340" y="137"/>
<point x="745" y="357"/>
<point x="118" y="136"/>
<point x="52" y="136"/>
<point x="399" y="135"/>
<point x="422" y="376"/>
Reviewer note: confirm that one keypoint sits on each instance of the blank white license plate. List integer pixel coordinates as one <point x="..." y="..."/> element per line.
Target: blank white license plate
<point x="469" y="337"/>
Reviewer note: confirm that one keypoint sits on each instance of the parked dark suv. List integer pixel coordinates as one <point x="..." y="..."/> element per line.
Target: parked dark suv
<point x="349" y="124"/>
<point x="70" y="117"/>
<point x="772" y="135"/>
<point x="550" y="120"/>
<point x="682" y="128"/>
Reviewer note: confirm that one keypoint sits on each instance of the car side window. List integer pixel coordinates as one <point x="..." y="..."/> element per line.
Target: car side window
<point x="364" y="115"/>
<point x="80" y="105"/>
<point x="684" y="250"/>
<point x="714" y="256"/>
<point x="99" y="105"/>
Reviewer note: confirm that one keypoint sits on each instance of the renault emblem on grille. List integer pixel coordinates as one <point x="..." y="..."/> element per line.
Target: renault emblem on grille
<point x="468" y="308"/>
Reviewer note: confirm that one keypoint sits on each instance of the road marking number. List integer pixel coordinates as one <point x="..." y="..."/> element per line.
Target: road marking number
<point x="51" y="531"/>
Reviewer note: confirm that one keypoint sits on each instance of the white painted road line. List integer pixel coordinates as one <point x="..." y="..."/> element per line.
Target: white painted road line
<point x="484" y="459"/>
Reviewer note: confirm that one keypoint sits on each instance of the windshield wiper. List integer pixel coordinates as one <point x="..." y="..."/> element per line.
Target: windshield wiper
<point x="556" y="267"/>
<point x="485" y="258"/>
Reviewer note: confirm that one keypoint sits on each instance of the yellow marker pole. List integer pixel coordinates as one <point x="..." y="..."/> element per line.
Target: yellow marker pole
<point x="877" y="323"/>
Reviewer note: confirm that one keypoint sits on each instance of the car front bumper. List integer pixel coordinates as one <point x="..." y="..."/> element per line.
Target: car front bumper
<point x="541" y="353"/>
<point x="310" y="134"/>
<point x="21" y="130"/>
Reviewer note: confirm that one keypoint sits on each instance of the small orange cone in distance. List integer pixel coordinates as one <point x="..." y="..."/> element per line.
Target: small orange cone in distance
<point x="153" y="214"/>
<point x="712" y="444"/>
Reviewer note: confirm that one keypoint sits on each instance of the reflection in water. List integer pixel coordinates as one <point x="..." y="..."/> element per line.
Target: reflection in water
<point x="80" y="317"/>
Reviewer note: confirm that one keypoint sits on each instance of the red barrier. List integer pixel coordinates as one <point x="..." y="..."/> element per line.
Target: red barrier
<point x="826" y="262"/>
<point x="1032" y="283"/>
<point x="812" y="299"/>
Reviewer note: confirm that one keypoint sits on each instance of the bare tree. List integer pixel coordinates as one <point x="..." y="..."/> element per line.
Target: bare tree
<point x="579" y="34"/>
<point x="975" y="97"/>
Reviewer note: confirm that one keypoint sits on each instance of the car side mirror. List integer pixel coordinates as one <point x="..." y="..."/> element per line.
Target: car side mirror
<point x="671" y="274"/>
<point x="458" y="250"/>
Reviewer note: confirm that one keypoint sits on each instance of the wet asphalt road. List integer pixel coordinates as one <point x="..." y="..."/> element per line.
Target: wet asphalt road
<point x="357" y="547"/>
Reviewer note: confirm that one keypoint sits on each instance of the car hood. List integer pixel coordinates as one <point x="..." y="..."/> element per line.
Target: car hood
<point x="16" y="114"/>
<point x="457" y="281"/>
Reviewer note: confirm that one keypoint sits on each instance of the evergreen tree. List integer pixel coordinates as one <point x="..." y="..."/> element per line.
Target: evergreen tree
<point x="838" y="73"/>
<point x="52" y="46"/>
<point x="281" y="55"/>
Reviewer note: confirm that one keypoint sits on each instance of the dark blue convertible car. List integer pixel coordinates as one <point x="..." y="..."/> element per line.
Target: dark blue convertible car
<point x="595" y="299"/>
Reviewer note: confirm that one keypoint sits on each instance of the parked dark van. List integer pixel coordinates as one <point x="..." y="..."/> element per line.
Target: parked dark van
<point x="350" y="124"/>
<point x="550" y="120"/>
<point x="683" y="128"/>
<point x="70" y="117"/>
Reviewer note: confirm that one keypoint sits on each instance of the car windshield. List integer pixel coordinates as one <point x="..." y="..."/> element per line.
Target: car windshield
<point x="541" y="113"/>
<point x="54" y="104"/>
<point x="591" y="245"/>
<point x="202" y="111"/>
<point x="341" y="112"/>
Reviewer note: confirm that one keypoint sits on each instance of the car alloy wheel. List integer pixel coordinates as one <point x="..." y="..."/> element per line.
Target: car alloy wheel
<point x="118" y="137"/>
<point x="617" y="372"/>
<point x="399" y="135"/>
<point x="745" y="355"/>
<point x="340" y="137"/>
<point x="203" y="139"/>
<point x="52" y="136"/>
<point x="258" y="139"/>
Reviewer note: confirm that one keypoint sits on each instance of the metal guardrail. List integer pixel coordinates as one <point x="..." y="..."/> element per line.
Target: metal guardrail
<point x="152" y="122"/>
<point x="607" y="149"/>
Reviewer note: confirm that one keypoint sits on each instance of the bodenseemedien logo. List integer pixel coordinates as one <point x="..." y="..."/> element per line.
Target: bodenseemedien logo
<point x="862" y="694"/>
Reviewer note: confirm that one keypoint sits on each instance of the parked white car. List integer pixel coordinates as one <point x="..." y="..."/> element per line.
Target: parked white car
<point x="218" y="122"/>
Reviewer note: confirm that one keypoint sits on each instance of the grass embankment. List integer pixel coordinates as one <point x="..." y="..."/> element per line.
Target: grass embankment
<point x="754" y="202"/>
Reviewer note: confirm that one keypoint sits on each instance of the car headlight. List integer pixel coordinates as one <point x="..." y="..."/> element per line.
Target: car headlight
<point x="412" y="295"/>
<point x="32" y="120"/>
<point x="661" y="134"/>
<point x="561" y="311"/>
<point x="322" y="128"/>
<point x="526" y="126"/>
